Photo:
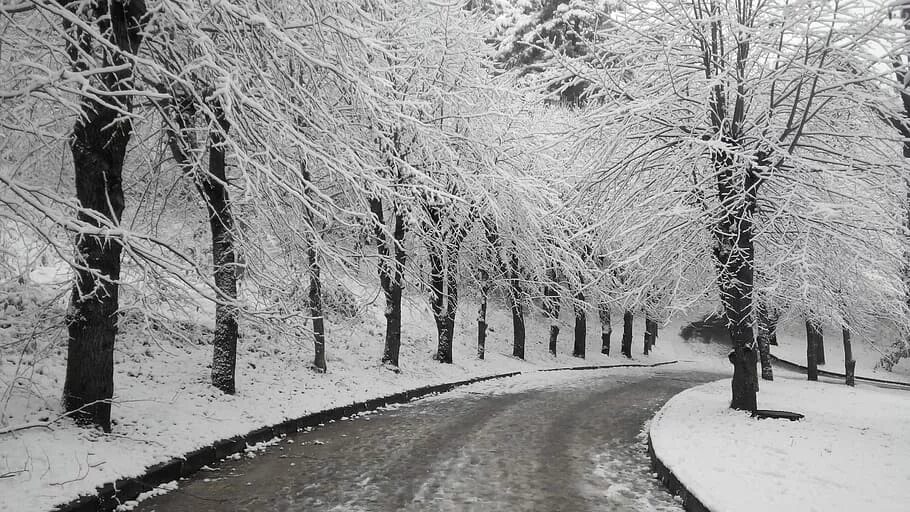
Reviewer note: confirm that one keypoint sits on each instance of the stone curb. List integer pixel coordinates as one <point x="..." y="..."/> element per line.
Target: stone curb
<point x="689" y="502"/>
<point x="113" y="494"/>
<point x="798" y="367"/>
<point x="606" y="366"/>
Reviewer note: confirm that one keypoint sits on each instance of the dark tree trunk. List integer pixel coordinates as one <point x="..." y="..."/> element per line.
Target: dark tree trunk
<point x="849" y="362"/>
<point x="734" y="257"/>
<point x="551" y="309"/>
<point x="518" y="321"/>
<point x="315" y="295"/>
<point x="98" y="145"/>
<point x="443" y="302"/>
<point x="606" y="328"/>
<point x="212" y="187"/>
<point x="554" y="337"/>
<point x="650" y="334"/>
<point x="482" y="314"/>
<point x="627" y="319"/>
<point x="221" y="221"/>
<point x="391" y="276"/>
<point x="813" y="332"/>
<point x="316" y="311"/>
<point x="764" y="343"/>
<point x="443" y="256"/>
<point x="512" y="274"/>
<point x="581" y="326"/>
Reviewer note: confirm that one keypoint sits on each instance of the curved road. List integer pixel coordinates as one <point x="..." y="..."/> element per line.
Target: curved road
<point x="567" y="441"/>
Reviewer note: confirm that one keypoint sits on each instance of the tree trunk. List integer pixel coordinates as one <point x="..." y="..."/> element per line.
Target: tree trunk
<point x="627" y="319"/>
<point x="315" y="295"/>
<point x="551" y="309"/>
<point x="649" y="334"/>
<point x="813" y="332"/>
<point x="98" y="145"/>
<point x="764" y="343"/>
<point x="820" y="346"/>
<point x="482" y="315"/>
<point x="221" y="221"/>
<point x="554" y="336"/>
<point x="849" y="362"/>
<point x="734" y="258"/>
<point x="606" y="328"/>
<point x="443" y="300"/>
<point x="212" y="187"/>
<point x="581" y="326"/>
<point x="391" y="277"/>
<point x="316" y="312"/>
<point x="518" y="321"/>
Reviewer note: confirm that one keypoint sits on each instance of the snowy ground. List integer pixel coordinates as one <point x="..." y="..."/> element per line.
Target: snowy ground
<point x="866" y="352"/>
<point x="849" y="453"/>
<point x="164" y="406"/>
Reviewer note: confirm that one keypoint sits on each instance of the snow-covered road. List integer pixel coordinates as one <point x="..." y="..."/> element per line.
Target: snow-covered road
<point x="547" y="441"/>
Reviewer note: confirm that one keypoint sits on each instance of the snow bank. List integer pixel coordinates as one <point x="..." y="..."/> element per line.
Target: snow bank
<point x="849" y="453"/>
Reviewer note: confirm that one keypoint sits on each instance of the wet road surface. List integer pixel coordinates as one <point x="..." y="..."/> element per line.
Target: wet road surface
<point x="559" y="441"/>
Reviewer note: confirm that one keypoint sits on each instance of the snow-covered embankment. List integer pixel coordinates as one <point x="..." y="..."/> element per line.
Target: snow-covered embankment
<point x="848" y="453"/>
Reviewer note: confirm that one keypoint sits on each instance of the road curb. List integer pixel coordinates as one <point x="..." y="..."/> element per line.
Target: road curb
<point x="800" y="368"/>
<point x="607" y="366"/>
<point x="109" y="496"/>
<point x="689" y="501"/>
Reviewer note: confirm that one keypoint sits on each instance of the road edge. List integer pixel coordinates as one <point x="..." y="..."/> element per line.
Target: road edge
<point x="112" y="494"/>
<point x="667" y="478"/>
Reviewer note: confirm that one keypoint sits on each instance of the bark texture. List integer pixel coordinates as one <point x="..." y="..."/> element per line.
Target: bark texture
<point x="392" y="259"/>
<point x="443" y="252"/>
<point x="221" y="222"/>
<point x="212" y="188"/>
<point x="650" y="334"/>
<point x="581" y="326"/>
<point x="315" y="291"/>
<point x="98" y="145"/>
<point x="820" y="347"/>
<point x="551" y="309"/>
<point x="734" y="256"/>
<point x="627" y="319"/>
<point x="518" y="320"/>
<point x="813" y="333"/>
<point x="482" y="315"/>
<point x="764" y="343"/>
<point x="606" y="329"/>
<point x="849" y="362"/>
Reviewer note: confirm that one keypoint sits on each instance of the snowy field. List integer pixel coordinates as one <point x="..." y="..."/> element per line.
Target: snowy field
<point x="849" y="453"/>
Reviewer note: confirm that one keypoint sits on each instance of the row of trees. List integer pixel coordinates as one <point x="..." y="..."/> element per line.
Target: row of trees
<point x="612" y="156"/>
<point x="299" y="128"/>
